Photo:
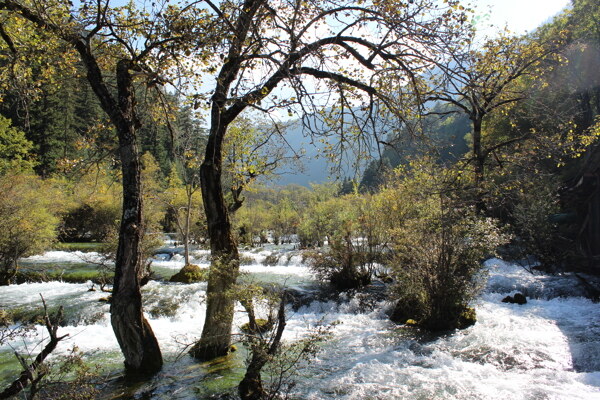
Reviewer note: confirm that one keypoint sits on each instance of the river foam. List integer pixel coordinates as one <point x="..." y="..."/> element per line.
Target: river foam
<point x="548" y="348"/>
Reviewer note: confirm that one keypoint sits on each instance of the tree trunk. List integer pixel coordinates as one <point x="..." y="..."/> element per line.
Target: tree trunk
<point x="478" y="157"/>
<point x="135" y="337"/>
<point x="586" y="114"/>
<point x="186" y="228"/>
<point x="216" y="334"/>
<point x="225" y="263"/>
<point x="478" y="162"/>
<point x="134" y="334"/>
<point x="251" y="388"/>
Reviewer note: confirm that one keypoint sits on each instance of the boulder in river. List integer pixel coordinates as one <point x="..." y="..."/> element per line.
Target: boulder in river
<point x="105" y="299"/>
<point x="518" y="298"/>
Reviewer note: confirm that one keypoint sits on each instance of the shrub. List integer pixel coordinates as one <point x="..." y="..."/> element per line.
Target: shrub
<point x="357" y="239"/>
<point x="190" y="273"/>
<point x="95" y="209"/>
<point x="437" y="266"/>
<point x="437" y="250"/>
<point x="27" y="222"/>
<point x="344" y="265"/>
<point x="15" y="149"/>
<point x="280" y="361"/>
<point x="95" y="220"/>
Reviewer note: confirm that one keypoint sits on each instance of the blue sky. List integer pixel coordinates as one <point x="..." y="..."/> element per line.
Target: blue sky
<point x="519" y="15"/>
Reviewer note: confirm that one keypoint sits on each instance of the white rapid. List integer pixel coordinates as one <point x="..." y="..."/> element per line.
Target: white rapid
<point x="548" y="348"/>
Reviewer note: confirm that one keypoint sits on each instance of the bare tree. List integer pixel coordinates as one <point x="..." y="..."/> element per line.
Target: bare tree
<point x="131" y="47"/>
<point x="478" y="81"/>
<point x="356" y="60"/>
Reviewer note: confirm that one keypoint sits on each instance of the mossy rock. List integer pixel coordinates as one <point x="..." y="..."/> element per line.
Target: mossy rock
<point x="399" y="315"/>
<point x="190" y="274"/>
<point x="25" y="276"/>
<point x="263" y="326"/>
<point x="349" y="278"/>
<point x="271" y="260"/>
<point x="246" y="260"/>
<point x="33" y="315"/>
<point x="467" y="318"/>
<point x="459" y="317"/>
<point x="5" y="318"/>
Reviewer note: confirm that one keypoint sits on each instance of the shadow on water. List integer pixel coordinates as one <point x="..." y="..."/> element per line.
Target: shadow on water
<point x="562" y="301"/>
<point x="583" y="337"/>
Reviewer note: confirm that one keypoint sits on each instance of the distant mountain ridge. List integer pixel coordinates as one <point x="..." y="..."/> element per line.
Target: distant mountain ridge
<point x="447" y="134"/>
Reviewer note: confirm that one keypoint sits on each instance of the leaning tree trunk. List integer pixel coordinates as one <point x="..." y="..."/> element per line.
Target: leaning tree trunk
<point x="216" y="334"/>
<point x="262" y="349"/>
<point x="134" y="334"/>
<point x="225" y="263"/>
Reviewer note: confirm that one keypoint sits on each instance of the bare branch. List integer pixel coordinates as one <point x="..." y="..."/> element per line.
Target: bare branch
<point x="29" y="371"/>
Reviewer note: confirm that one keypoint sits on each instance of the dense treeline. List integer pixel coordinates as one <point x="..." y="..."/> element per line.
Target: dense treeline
<point x="538" y="147"/>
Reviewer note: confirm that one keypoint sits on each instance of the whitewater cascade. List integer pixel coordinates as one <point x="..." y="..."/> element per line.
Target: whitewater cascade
<point x="548" y="348"/>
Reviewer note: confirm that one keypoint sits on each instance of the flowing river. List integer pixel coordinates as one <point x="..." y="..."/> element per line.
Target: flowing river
<point x="548" y="348"/>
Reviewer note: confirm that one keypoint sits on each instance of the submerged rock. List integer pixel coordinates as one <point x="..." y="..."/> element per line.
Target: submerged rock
<point x="190" y="274"/>
<point x="5" y="318"/>
<point x="518" y="298"/>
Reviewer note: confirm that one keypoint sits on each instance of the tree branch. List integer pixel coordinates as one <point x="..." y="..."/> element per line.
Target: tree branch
<point x="7" y="39"/>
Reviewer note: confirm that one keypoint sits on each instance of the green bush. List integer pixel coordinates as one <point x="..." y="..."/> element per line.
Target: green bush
<point x="15" y="149"/>
<point x="27" y="222"/>
<point x="94" y="220"/>
<point x="190" y="273"/>
<point x="345" y="266"/>
<point x="355" y="229"/>
<point x="437" y="248"/>
<point x="535" y="232"/>
<point x="437" y="266"/>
